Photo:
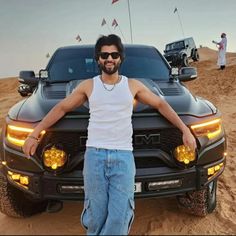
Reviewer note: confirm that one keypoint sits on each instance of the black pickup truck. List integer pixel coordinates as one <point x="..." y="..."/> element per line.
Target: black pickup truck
<point x="164" y="166"/>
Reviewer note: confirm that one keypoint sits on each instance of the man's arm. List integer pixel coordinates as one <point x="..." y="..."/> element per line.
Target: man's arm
<point x="75" y="99"/>
<point x="144" y="95"/>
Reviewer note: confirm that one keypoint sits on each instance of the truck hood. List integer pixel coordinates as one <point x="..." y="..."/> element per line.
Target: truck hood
<point x="35" y="107"/>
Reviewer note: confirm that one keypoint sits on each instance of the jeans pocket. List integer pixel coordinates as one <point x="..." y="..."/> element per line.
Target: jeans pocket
<point x="85" y="216"/>
<point x="130" y="214"/>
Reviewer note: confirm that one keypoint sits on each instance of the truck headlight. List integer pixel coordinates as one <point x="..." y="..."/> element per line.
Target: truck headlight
<point x="210" y="129"/>
<point x="17" y="135"/>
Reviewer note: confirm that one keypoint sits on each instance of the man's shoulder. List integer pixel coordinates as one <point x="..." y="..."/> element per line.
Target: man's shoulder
<point x="136" y="85"/>
<point x="134" y="81"/>
<point x="85" y="84"/>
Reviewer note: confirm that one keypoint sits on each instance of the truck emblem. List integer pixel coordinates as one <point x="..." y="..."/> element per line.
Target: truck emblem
<point x="141" y="139"/>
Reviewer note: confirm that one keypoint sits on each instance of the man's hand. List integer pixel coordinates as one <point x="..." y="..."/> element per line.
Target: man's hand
<point x="189" y="140"/>
<point x="30" y="146"/>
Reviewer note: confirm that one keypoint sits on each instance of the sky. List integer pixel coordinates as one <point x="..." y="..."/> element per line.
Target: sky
<point x="31" y="29"/>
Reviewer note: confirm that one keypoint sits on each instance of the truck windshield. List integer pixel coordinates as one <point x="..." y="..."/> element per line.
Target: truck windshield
<point x="175" y="46"/>
<point x="78" y="63"/>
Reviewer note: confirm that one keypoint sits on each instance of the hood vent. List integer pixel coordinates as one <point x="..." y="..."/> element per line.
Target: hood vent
<point x="55" y="91"/>
<point x="172" y="91"/>
<point x="55" y="94"/>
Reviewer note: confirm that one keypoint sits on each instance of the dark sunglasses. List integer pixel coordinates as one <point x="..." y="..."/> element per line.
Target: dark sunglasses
<point x="105" y="55"/>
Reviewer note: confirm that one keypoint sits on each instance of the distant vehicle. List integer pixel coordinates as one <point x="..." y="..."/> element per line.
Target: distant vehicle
<point x="164" y="166"/>
<point x="179" y="52"/>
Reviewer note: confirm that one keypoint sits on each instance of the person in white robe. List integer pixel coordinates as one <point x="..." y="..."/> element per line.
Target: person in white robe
<point x="222" y="45"/>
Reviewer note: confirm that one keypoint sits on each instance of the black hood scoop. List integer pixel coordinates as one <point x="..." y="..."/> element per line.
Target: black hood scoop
<point x="171" y="89"/>
<point x="55" y="91"/>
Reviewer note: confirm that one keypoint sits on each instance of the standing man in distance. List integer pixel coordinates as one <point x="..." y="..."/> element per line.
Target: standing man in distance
<point x="109" y="168"/>
<point x="222" y="45"/>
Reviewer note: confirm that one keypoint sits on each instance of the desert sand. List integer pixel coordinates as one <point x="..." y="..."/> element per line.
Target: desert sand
<point x="154" y="216"/>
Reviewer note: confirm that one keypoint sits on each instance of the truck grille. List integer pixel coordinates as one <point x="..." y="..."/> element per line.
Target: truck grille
<point x="74" y="142"/>
<point x="165" y="139"/>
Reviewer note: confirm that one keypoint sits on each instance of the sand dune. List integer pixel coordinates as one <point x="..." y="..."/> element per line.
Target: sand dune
<point x="155" y="216"/>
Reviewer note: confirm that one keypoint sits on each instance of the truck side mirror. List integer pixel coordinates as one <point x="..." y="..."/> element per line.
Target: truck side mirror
<point x="28" y="77"/>
<point x="187" y="74"/>
<point x="28" y="82"/>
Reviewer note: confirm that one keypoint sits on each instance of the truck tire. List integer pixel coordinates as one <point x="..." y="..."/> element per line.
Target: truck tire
<point x="196" y="56"/>
<point x="185" y="61"/>
<point x="200" y="202"/>
<point x="14" y="203"/>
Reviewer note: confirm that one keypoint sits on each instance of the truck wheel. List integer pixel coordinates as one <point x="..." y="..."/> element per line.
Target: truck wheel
<point x="185" y="61"/>
<point x="196" y="56"/>
<point x="14" y="203"/>
<point x="201" y="202"/>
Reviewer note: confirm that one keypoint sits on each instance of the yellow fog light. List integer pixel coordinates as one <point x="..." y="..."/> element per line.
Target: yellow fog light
<point x="54" y="158"/>
<point x="184" y="154"/>
<point x="217" y="167"/>
<point x="15" y="176"/>
<point x="211" y="171"/>
<point x="19" y="179"/>
<point x="214" y="169"/>
<point x="24" y="180"/>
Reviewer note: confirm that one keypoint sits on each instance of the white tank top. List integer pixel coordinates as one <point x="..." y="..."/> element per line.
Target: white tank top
<point x="110" y="124"/>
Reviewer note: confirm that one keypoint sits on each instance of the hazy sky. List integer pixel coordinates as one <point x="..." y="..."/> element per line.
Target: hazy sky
<point x="29" y="29"/>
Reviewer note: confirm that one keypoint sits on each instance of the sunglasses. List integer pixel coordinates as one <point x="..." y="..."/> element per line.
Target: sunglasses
<point x="105" y="55"/>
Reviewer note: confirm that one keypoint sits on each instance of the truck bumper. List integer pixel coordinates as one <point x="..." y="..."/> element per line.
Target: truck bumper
<point x="149" y="182"/>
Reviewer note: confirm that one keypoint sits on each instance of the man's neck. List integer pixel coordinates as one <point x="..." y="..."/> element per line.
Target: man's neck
<point x="110" y="79"/>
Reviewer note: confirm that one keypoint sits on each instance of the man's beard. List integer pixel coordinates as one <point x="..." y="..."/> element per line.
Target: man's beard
<point x="109" y="71"/>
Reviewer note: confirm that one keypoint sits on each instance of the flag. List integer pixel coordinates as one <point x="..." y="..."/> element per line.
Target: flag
<point x="114" y="1"/>
<point x="175" y="10"/>
<point x="114" y="23"/>
<point x="78" y="38"/>
<point x="103" y="22"/>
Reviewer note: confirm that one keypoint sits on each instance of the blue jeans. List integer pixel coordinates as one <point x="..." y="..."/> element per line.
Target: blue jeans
<point x="109" y="191"/>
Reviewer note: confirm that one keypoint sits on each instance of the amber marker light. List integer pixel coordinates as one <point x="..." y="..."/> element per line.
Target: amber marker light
<point x="184" y="154"/>
<point x="211" y="129"/>
<point x="17" y="135"/>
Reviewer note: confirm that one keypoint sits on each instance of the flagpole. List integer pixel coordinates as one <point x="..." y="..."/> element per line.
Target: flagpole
<point x="122" y="33"/>
<point x="181" y="25"/>
<point x="105" y="23"/>
<point x="130" y="24"/>
<point x="108" y="28"/>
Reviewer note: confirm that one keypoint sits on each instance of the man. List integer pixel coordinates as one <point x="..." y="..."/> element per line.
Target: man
<point x="109" y="168"/>
<point x="221" y="62"/>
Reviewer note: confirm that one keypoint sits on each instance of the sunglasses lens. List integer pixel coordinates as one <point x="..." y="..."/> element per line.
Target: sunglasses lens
<point x="105" y="55"/>
<point x="115" y="55"/>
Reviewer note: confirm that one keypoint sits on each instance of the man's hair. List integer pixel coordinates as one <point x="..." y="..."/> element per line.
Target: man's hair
<point x="109" y="40"/>
<point x="223" y="35"/>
